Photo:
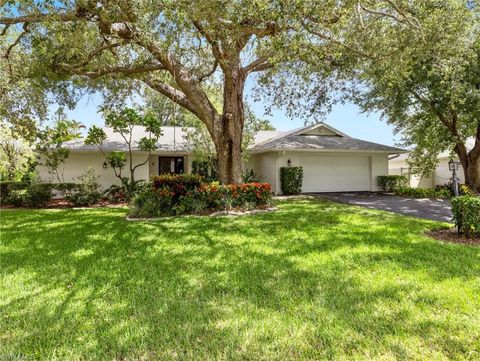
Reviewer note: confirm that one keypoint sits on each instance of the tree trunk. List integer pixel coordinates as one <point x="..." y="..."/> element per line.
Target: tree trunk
<point x="471" y="165"/>
<point x="229" y="129"/>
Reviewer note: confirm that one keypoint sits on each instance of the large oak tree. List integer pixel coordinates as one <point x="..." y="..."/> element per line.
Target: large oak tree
<point x="176" y="47"/>
<point x="173" y="47"/>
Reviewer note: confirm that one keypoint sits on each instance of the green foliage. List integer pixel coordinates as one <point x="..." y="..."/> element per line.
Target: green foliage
<point x="123" y="122"/>
<point x="291" y="180"/>
<point x="466" y="215"/>
<point x="426" y="84"/>
<point x="51" y="153"/>
<point x="116" y="159"/>
<point x="388" y="183"/>
<point x="87" y="191"/>
<point x="21" y="194"/>
<point x="38" y="194"/>
<point x="249" y="176"/>
<point x="188" y="194"/>
<point x="463" y="189"/>
<point x="423" y="192"/>
<point x="95" y="136"/>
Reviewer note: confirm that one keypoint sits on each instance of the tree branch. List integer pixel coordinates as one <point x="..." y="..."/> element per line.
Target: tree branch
<point x="171" y="93"/>
<point x="17" y="40"/>
<point x="91" y="55"/>
<point x="259" y="64"/>
<point x="209" y="73"/>
<point x="125" y="70"/>
<point x="38" y="18"/>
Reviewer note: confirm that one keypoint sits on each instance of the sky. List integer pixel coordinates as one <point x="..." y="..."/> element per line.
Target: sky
<point x="347" y="118"/>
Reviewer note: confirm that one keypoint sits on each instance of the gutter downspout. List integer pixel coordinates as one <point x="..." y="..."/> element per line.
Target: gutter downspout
<point x="394" y="156"/>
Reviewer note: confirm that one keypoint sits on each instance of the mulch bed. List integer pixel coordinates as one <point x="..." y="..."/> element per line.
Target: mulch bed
<point x="60" y="203"/>
<point x="451" y="235"/>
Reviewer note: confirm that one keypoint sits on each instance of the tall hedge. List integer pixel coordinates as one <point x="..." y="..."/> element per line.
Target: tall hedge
<point x="466" y="215"/>
<point x="389" y="183"/>
<point x="291" y="180"/>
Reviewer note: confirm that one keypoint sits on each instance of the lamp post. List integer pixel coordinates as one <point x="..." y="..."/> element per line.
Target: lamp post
<point x="453" y="166"/>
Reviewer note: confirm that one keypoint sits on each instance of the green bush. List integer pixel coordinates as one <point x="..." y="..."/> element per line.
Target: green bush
<point x="174" y="198"/>
<point x="21" y="194"/>
<point x="463" y="189"/>
<point x="249" y="176"/>
<point x="466" y="215"/>
<point x="422" y="192"/>
<point x="388" y="183"/>
<point x="87" y="191"/>
<point x="6" y="189"/>
<point x="291" y="180"/>
<point x="38" y="194"/>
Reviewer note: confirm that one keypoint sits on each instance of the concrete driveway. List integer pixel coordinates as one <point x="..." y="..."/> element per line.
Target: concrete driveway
<point x="434" y="209"/>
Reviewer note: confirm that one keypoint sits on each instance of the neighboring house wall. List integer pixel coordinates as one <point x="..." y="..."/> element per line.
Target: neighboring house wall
<point x="441" y="174"/>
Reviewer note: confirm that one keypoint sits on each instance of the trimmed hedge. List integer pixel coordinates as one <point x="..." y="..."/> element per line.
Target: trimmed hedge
<point x="291" y="180"/>
<point x="466" y="215"/>
<point x="388" y="183"/>
<point x="18" y="194"/>
<point x="423" y="192"/>
<point x="188" y="194"/>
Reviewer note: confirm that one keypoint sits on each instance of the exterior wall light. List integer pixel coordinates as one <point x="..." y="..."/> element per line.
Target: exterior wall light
<point x="105" y="165"/>
<point x="289" y="162"/>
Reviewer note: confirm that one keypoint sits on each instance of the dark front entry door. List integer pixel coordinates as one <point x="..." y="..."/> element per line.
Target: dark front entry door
<point x="170" y="165"/>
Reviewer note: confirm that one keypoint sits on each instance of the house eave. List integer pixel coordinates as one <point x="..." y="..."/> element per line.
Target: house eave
<point x="379" y="151"/>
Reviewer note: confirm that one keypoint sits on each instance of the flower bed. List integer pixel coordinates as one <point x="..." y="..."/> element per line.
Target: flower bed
<point x="188" y="194"/>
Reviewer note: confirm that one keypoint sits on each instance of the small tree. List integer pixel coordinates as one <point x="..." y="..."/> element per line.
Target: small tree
<point x="50" y="149"/>
<point x="123" y="122"/>
<point x="15" y="154"/>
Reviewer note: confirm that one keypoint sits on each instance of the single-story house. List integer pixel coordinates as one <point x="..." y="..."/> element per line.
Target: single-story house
<point x="332" y="161"/>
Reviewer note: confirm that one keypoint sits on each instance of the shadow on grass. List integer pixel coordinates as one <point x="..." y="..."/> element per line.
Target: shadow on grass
<point x="315" y="279"/>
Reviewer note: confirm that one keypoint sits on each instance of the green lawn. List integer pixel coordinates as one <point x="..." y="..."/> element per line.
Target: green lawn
<point x="315" y="280"/>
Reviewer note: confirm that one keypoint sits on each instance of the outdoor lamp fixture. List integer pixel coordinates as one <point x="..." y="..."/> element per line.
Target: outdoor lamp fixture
<point x="453" y="166"/>
<point x="105" y="165"/>
<point x="289" y="162"/>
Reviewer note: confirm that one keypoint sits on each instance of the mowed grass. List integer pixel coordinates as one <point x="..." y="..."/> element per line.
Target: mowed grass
<point x="315" y="280"/>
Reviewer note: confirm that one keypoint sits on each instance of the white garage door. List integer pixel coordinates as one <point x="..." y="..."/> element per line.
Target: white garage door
<point x="335" y="173"/>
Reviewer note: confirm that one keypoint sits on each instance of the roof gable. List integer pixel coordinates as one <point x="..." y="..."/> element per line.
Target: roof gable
<point x="321" y="129"/>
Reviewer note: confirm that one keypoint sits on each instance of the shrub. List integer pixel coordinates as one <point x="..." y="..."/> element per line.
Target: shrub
<point x="179" y="184"/>
<point x="466" y="215"/>
<point x="463" y="189"/>
<point x="291" y="180"/>
<point x="33" y="194"/>
<point x="87" y="191"/>
<point x="116" y="194"/>
<point x="172" y="199"/>
<point x="38" y="194"/>
<point x="388" y="183"/>
<point x="249" y="176"/>
<point x="7" y="187"/>
<point x="422" y="192"/>
<point x="151" y="203"/>
<point x="16" y="198"/>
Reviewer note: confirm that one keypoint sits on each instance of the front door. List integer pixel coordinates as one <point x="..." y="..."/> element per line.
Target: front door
<point x="170" y="165"/>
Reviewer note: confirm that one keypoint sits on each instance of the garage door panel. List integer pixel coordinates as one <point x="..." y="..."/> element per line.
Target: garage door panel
<point x="335" y="173"/>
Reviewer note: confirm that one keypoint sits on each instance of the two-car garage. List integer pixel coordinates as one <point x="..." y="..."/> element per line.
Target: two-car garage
<point x="324" y="173"/>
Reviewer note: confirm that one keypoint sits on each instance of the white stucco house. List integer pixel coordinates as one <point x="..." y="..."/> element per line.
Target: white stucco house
<point x="332" y="161"/>
<point x="441" y="174"/>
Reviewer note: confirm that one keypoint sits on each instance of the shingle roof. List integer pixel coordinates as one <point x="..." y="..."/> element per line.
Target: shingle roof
<point x="174" y="139"/>
<point x="320" y="142"/>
